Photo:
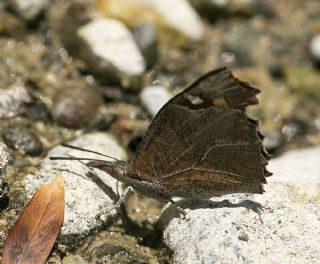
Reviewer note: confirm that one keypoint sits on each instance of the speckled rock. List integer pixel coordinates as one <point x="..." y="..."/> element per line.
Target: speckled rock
<point x="110" y="51"/>
<point x="22" y="139"/>
<point x="13" y="100"/>
<point x="76" y="107"/>
<point x="280" y="226"/>
<point x="87" y="193"/>
<point x="154" y="97"/>
<point x="29" y="9"/>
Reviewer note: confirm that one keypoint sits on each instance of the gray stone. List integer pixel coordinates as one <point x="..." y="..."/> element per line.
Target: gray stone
<point x="180" y="15"/>
<point x="146" y="37"/>
<point x="87" y="192"/>
<point x="29" y="9"/>
<point x="110" y="49"/>
<point x="22" y="139"/>
<point x="154" y="97"/>
<point x="12" y="101"/>
<point x="280" y="226"/>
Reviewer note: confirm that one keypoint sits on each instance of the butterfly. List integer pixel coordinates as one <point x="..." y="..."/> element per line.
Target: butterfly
<point x="200" y="144"/>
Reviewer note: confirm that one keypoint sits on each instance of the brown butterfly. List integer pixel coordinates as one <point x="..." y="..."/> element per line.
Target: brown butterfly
<point x="200" y="144"/>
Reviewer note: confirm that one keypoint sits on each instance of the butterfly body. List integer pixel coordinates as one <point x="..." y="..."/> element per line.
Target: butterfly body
<point x="201" y="144"/>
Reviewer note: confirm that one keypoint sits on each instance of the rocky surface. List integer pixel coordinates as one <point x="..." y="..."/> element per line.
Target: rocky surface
<point x="282" y="225"/>
<point x="88" y="193"/>
<point x="44" y="60"/>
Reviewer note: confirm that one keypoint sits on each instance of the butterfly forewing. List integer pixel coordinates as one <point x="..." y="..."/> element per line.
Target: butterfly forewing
<point x="203" y="137"/>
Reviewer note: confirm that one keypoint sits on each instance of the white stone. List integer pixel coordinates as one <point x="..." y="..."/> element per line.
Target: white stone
<point x="315" y="47"/>
<point x="85" y="199"/>
<point x="110" y="40"/>
<point x="179" y="14"/>
<point x="230" y="230"/>
<point x="29" y="9"/>
<point x="154" y="97"/>
<point x="297" y="166"/>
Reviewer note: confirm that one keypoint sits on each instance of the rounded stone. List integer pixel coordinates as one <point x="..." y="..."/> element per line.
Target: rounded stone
<point x="23" y="139"/>
<point x="75" y="107"/>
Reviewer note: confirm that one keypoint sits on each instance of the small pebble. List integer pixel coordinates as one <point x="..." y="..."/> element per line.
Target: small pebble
<point x="243" y="236"/>
<point x="76" y="107"/>
<point x="23" y="139"/>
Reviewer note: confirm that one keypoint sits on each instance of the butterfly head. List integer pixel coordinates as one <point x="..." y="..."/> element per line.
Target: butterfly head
<point x="116" y="169"/>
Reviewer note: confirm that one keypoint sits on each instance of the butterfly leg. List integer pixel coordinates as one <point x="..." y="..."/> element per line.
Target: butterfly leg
<point x="118" y="203"/>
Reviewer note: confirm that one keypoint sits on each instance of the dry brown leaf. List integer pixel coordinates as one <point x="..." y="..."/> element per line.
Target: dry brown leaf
<point x="32" y="237"/>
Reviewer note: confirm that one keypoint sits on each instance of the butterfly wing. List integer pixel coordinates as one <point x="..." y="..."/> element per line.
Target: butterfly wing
<point x="203" y="137"/>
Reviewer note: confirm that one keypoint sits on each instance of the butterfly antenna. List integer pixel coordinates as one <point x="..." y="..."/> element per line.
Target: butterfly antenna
<point x="87" y="150"/>
<point x="72" y="158"/>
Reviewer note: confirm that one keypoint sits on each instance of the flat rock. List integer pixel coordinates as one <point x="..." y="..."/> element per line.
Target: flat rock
<point x="280" y="226"/>
<point x="88" y="193"/>
<point x="29" y="9"/>
<point x="154" y="97"/>
<point x="109" y="48"/>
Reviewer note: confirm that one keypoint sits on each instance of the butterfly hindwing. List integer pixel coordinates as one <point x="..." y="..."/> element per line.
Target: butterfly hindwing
<point x="204" y="133"/>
